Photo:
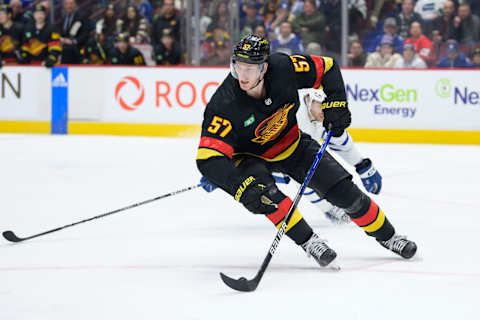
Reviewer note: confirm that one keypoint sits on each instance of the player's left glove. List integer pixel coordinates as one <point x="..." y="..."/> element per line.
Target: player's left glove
<point x="207" y="185"/>
<point x="371" y="178"/>
<point x="337" y="117"/>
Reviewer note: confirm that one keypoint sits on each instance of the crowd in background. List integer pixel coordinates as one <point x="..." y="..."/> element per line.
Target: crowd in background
<point x="382" y="33"/>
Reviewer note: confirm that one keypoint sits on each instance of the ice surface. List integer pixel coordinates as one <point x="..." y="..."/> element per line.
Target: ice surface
<point x="161" y="260"/>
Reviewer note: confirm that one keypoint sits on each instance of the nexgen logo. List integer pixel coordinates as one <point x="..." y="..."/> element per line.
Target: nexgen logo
<point x="118" y="90"/>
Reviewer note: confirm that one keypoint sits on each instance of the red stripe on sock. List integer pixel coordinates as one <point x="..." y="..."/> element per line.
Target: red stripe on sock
<point x="369" y="216"/>
<point x="281" y="212"/>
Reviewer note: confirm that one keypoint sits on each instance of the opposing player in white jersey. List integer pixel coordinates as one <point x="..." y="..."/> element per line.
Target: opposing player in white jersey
<point x="343" y="146"/>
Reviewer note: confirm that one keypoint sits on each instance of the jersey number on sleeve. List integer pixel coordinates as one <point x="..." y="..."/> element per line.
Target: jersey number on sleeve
<point x="218" y="123"/>
<point x="300" y="63"/>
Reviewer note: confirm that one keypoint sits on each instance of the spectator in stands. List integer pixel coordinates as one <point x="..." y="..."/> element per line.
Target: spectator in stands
<point x="74" y="32"/>
<point x="466" y="25"/>
<point x="260" y="31"/>
<point x="97" y="48"/>
<point x="221" y="55"/>
<point x="17" y="13"/>
<point x="168" y="51"/>
<point x="406" y="17"/>
<point x="251" y="19"/>
<point x="41" y="44"/>
<point x="144" y="9"/>
<point x="476" y="58"/>
<point x="314" y="48"/>
<point x="429" y="9"/>
<point x="11" y="35"/>
<point x="357" y="15"/>
<point x="389" y="28"/>
<point x="134" y="25"/>
<point x="410" y="59"/>
<point x="454" y="58"/>
<point x="422" y="44"/>
<point x="332" y="10"/>
<point x="287" y="42"/>
<point x="385" y="58"/>
<point x="167" y="19"/>
<point x="356" y="57"/>
<point x="124" y="54"/>
<point x="269" y="10"/>
<point x="217" y="30"/>
<point x="310" y="25"/>
<point x="281" y="15"/>
<point x="444" y="23"/>
<point x="107" y="24"/>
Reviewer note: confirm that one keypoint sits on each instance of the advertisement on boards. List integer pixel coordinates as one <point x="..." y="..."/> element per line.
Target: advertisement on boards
<point x="167" y="95"/>
<point x="410" y="99"/>
<point x="19" y="93"/>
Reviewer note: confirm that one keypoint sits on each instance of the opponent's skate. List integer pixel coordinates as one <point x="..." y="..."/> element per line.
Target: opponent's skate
<point x="318" y="249"/>
<point x="400" y="245"/>
<point x="337" y="215"/>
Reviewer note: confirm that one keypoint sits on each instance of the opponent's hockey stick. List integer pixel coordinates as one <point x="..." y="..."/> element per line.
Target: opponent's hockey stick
<point x="242" y="284"/>
<point x="10" y="236"/>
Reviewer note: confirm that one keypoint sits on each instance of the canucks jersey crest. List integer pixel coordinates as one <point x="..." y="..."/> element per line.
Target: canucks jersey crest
<point x="270" y="128"/>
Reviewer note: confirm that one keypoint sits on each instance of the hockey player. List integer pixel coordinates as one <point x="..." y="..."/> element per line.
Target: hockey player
<point x="250" y="130"/>
<point x="10" y="36"/>
<point x="311" y="99"/>
<point x="124" y="53"/>
<point x="42" y="43"/>
<point x="97" y="48"/>
<point x="310" y="103"/>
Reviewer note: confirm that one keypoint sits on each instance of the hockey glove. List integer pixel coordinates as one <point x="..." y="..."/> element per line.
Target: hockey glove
<point x="371" y="178"/>
<point x="257" y="196"/>
<point x="50" y="61"/>
<point x="207" y="185"/>
<point x="281" y="178"/>
<point x="337" y="117"/>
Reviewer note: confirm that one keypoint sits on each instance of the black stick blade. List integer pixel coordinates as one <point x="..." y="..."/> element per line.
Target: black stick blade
<point x="10" y="236"/>
<point x="241" y="284"/>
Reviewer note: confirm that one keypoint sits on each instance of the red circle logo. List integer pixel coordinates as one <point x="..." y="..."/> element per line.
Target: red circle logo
<point x="134" y="105"/>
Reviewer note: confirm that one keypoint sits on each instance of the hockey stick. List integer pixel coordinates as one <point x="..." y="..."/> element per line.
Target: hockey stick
<point x="242" y="284"/>
<point x="10" y="236"/>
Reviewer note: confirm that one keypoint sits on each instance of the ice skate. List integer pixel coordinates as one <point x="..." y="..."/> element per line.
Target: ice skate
<point x="337" y="215"/>
<point x="400" y="245"/>
<point x="318" y="249"/>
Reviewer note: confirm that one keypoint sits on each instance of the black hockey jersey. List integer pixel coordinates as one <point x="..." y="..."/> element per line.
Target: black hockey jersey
<point x="41" y="43"/>
<point x="131" y="57"/>
<point x="235" y="123"/>
<point x="96" y="52"/>
<point x="10" y="42"/>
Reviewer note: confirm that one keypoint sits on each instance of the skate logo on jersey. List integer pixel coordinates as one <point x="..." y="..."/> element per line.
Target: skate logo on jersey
<point x="270" y="128"/>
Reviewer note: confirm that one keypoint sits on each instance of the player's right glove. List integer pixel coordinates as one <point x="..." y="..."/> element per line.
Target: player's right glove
<point x="257" y="196"/>
<point x="371" y="178"/>
<point x="207" y="185"/>
<point x="336" y="117"/>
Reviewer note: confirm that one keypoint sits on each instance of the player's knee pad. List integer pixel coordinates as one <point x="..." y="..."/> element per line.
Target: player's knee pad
<point x="348" y="196"/>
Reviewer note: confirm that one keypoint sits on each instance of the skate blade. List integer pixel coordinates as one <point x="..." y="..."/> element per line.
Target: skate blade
<point x="333" y="266"/>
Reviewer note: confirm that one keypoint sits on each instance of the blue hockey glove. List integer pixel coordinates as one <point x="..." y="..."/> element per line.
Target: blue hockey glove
<point x="207" y="185"/>
<point x="281" y="178"/>
<point x="371" y="178"/>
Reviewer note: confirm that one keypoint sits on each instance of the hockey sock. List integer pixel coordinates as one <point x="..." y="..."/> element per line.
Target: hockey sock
<point x="372" y="219"/>
<point x="362" y="210"/>
<point x="297" y="229"/>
